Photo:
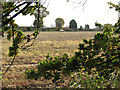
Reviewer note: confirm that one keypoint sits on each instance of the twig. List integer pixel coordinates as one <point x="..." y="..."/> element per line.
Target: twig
<point x="7" y="21"/>
<point x="14" y="54"/>
<point x="27" y="45"/>
<point x="12" y="10"/>
<point x="27" y="42"/>
<point x="10" y="6"/>
<point x="31" y="43"/>
<point x="48" y="4"/>
<point x="44" y="2"/>
<point x="80" y="3"/>
<point x="9" y="66"/>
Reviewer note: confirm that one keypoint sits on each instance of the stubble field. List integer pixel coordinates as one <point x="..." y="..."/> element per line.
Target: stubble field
<point x="53" y="43"/>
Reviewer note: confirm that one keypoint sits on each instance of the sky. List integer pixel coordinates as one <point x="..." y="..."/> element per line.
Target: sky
<point x="93" y="11"/>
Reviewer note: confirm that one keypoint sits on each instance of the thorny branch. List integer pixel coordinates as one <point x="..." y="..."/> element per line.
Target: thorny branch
<point x="9" y="66"/>
<point x="23" y="46"/>
<point x="7" y="14"/>
<point x="7" y="21"/>
<point x="10" y="6"/>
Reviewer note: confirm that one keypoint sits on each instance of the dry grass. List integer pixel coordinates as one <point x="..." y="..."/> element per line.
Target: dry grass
<point x="54" y="43"/>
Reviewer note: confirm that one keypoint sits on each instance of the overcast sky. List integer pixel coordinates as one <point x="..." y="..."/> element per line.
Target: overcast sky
<point x="94" y="10"/>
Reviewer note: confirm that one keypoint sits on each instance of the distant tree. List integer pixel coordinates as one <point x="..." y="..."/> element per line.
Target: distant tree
<point x="73" y="24"/>
<point x="59" y="23"/>
<point x="81" y="28"/>
<point x="29" y="28"/>
<point x="86" y="27"/>
<point x="38" y="22"/>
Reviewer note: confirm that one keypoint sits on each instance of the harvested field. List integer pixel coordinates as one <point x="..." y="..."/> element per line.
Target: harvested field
<point x="53" y="43"/>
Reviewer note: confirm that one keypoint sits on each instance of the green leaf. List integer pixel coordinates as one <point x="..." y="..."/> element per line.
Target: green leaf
<point x="81" y="46"/>
<point x="85" y="41"/>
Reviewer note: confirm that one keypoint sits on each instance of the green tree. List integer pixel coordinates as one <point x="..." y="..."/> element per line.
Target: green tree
<point x="38" y="22"/>
<point x="86" y="27"/>
<point x="59" y="23"/>
<point x="81" y="28"/>
<point x="73" y="24"/>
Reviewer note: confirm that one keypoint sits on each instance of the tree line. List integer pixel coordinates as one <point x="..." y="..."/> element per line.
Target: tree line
<point x="59" y="26"/>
